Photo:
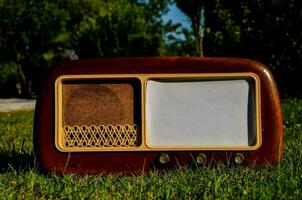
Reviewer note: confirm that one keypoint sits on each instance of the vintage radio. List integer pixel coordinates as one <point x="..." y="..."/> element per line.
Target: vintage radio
<point x="132" y="115"/>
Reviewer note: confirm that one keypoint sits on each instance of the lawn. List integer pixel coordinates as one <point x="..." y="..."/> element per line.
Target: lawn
<point x="20" y="177"/>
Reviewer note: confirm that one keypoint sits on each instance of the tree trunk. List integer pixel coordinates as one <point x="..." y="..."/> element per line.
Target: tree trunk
<point x="197" y="34"/>
<point x="25" y="77"/>
<point x="23" y="88"/>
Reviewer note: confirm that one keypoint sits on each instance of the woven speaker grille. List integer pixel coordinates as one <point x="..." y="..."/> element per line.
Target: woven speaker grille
<point x="100" y="136"/>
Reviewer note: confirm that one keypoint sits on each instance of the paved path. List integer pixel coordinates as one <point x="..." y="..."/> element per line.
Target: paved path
<point x="7" y="105"/>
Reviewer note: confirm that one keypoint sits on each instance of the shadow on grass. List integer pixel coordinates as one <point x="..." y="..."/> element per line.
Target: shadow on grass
<point x="16" y="161"/>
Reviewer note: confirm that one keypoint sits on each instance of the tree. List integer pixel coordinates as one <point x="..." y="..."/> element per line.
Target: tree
<point x="36" y="34"/>
<point x="31" y="35"/>
<point x="194" y="10"/>
<point x="123" y="28"/>
<point x="268" y="31"/>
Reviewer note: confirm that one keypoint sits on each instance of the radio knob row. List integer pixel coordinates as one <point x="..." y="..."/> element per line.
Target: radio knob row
<point x="200" y="159"/>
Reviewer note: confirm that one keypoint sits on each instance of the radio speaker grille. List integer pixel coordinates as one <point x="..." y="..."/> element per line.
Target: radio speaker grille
<point x="100" y="136"/>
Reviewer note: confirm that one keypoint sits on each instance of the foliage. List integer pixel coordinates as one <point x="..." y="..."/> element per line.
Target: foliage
<point x="122" y="29"/>
<point x="181" y="42"/>
<point x="20" y="178"/>
<point x="268" y="31"/>
<point x="30" y="36"/>
<point x="8" y="79"/>
<point x="38" y="34"/>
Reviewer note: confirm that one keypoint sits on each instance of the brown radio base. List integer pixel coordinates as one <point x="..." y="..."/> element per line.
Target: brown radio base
<point x="93" y="116"/>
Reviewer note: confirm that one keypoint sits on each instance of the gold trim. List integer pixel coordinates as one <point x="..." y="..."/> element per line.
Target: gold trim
<point x="143" y="146"/>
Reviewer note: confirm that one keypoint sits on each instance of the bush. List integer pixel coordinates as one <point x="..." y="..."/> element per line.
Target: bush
<point x="9" y="81"/>
<point x="266" y="31"/>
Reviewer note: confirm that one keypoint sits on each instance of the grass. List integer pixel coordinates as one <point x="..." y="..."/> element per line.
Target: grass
<point x="20" y="179"/>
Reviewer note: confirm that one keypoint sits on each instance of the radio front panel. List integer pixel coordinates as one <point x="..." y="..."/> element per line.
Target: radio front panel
<point x="158" y="112"/>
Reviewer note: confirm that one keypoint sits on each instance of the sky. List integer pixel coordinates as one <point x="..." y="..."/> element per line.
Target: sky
<point x="176" y="16"/>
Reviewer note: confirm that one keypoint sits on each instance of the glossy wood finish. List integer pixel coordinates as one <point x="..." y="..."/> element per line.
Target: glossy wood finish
<point x="51" y="159"/>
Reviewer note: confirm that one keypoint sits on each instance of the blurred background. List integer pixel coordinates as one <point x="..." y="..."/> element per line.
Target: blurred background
<point x="36" y="35"/>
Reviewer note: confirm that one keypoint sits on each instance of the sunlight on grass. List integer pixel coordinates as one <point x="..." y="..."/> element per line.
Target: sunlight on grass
<point x="19" y="177"/>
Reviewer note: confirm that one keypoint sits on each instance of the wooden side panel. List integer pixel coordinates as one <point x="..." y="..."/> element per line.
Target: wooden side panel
<point x="51" y="159"/>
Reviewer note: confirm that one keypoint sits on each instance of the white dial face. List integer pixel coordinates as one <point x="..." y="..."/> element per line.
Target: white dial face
<point x="200" y="113"/>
